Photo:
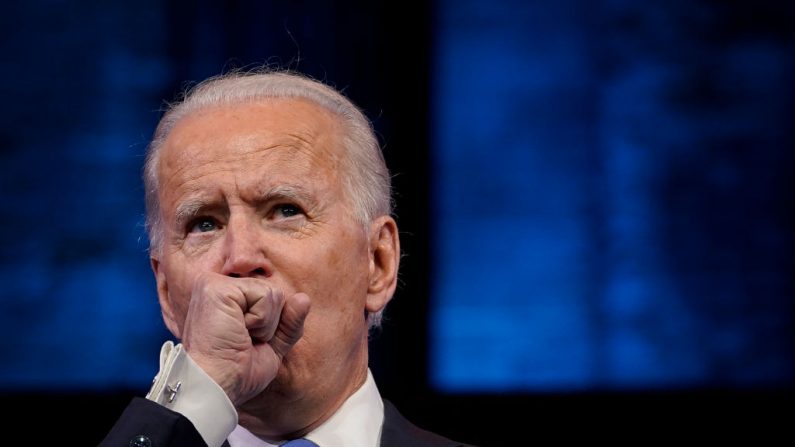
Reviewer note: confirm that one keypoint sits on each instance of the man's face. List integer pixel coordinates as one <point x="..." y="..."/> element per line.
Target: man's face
<point x="255" y="190"/>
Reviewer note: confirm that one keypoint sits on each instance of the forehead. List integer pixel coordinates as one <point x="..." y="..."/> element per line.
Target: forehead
<point x="238" y="127"/>
<point x="291" y="135"/>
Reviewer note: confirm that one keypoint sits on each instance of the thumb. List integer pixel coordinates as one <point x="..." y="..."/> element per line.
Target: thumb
<point x="291" y="324"/>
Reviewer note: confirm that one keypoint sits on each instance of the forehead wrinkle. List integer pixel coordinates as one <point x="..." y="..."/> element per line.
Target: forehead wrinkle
<point x="316" y="155"/>
<point x="306" y="137"/>
<point x="190" y="159"/>
<point x="201" y="168"/>
<point x="180" y="162"/>
<point x="257" y="186"/>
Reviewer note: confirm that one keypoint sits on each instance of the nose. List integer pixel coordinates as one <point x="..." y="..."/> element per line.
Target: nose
<point x="244" y="250"/>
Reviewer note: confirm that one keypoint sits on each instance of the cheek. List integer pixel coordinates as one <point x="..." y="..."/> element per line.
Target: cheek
<point x="333" y="274"/>
<point x="344" y="292"/>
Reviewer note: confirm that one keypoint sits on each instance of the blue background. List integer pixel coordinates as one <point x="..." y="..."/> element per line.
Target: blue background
<point x="594" y="197"/>
<point x="612" y="185"/>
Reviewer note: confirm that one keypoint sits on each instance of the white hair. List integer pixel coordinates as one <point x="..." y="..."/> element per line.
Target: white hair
<point x="366" y="179"/>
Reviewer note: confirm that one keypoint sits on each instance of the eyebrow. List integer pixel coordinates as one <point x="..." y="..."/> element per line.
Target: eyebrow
<point x="288" y="192"/>
<point x="190" y="208"/>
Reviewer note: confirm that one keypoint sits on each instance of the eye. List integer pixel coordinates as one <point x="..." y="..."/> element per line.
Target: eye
<point x="203" y="225"/>
<point x="288" y="210"/>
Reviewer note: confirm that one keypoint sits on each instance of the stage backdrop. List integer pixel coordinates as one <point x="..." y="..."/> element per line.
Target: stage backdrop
<point x="612" y="195"/>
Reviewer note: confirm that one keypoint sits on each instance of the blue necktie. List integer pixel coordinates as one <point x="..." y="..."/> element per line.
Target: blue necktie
<point x="299" y="443"/>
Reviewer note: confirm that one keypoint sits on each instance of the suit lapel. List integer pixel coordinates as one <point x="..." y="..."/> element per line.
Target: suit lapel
<point x="399" y="432"/>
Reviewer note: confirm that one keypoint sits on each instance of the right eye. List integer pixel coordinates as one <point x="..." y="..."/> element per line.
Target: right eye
<point x="203" y="225"/>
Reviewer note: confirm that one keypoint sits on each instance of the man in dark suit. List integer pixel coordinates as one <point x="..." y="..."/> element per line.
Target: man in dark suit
<point x="274" y="253"/>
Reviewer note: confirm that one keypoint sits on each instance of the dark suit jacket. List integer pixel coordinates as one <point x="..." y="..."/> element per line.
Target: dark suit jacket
<point x="164" y="427"/>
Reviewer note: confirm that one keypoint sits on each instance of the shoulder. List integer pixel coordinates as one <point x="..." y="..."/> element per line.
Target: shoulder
<point x="399" y="432"/>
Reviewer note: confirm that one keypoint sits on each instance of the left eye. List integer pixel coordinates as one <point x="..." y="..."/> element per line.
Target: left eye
<point x="288" y="210"/>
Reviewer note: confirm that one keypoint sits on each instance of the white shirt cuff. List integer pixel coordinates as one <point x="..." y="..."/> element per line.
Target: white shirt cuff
<point x="182" y="386"/>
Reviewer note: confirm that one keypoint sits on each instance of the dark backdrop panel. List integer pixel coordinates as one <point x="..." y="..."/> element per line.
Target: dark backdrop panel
<point x="612" y="196"/>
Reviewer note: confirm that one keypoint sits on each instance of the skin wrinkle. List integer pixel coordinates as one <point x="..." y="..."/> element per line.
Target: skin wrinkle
<point x="291" y="151"/>
<point x="186" y="164"/>
<point x="185" y="211"/>
<point x="294" y="140"/>
<point x="190" y="208"/>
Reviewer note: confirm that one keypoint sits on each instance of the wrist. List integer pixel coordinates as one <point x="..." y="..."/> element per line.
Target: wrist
<point x="183" y="386"/>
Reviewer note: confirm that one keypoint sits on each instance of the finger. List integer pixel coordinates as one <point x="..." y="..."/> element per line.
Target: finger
<point x="291" y="323"/>
<point x="262" y="315"/>
<point x="219" y="290"/>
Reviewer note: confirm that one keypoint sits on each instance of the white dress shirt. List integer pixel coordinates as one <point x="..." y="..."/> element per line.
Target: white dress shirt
<point x="184" y="387"/>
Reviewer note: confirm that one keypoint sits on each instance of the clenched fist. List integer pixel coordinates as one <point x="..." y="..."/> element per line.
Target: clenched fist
<point x="239" y="329"/>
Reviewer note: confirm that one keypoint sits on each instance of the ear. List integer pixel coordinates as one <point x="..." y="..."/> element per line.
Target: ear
<point x="166" y="306"/>
<point x="384" y="252"/>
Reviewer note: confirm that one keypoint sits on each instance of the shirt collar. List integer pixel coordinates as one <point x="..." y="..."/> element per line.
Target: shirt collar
<point x="357" y="423"/>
